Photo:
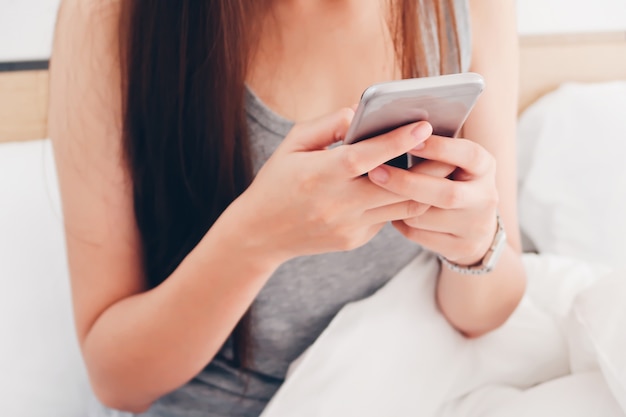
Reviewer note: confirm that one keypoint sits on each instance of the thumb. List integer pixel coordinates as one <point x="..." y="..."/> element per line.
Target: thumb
<point x="320" y="133"/>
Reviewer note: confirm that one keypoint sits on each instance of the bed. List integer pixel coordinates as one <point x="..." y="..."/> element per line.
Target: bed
<point x="41" y="373"/>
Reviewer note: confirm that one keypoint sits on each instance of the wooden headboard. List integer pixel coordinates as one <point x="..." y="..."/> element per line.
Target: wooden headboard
<point x="23" y="105"/>
<point x="546" y="62"/>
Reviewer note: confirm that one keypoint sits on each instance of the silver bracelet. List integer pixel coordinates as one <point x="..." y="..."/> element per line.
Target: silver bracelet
<point x="489" y="261"/>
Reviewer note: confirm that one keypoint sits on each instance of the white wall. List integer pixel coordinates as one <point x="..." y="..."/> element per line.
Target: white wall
<point x="26" y="25"/>
<point x="26" y="28"/>
<point x="571" y="16"/>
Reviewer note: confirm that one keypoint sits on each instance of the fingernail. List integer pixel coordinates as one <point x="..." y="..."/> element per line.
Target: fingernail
<point x="422" y="131"/>
<point x="379" y="174"/>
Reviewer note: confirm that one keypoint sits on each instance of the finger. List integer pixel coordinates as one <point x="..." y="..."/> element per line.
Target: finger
<point x="373" y="195"/>
<point x="359" y="158"/>
<point x="319" y="133"/>
<point x="442" y="243"/>
<point x="438" y="192"/>
<point x="397" y="211"/>
<point x="440" y="220"/>
<point x="434" y="220"/>
<point x="462" y="153"/>
<point x="433" y="168"/>
<point x="450" y="246"/>
<point x="454" y="248"/>
<point x="455" y="222"/>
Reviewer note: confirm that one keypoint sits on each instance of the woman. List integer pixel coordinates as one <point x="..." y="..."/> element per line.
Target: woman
<point x="210" y="239"/>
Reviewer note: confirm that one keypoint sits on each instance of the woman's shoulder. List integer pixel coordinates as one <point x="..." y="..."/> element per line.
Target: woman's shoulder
<point x="83" y="25"/>
<point x="85" y="62"/>
<point x="89" y="8"/>
<point x="88" y="12"/>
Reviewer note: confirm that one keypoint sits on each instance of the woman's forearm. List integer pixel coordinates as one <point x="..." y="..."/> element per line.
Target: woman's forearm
<point x="477" y="304"/>
<point x="150" y="344"/>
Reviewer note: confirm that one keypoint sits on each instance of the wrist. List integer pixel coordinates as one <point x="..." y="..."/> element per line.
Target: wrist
<point x="249" y="237"/>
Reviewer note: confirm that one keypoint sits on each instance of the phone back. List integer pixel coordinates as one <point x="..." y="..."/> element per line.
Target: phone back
<point x="444" y="101"/>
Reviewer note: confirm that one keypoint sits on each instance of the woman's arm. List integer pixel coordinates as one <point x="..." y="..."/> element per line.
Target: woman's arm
<point x="140" y="343"/>
<point x="478" y="304"/>
<point x="137" y="345"/>
<point x="458" y="218"/>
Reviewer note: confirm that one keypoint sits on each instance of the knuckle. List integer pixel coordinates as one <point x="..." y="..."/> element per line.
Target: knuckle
<point x="351" y="162"/>
<point x="308" y="182"/>
<point x="318" y="216"/>
<point x="331" y="215"/>
<point x="344" y="242"/>
<point x="401" y="138"/>
<point x="326" y="218"/>
<point x="405" y="182"/>
<point x="398" y="141"/>
<point x="473" y="152"/>
<point x="444" y="146"/>
<point x="454" y="196"/>
<point x="423" y="209"/>
<point x="411" y="232"/>
<point x="412" y="222"/>
<point x="345" y="116"/>
<point x="349" y="240"/>
<point x="413" y="209"/>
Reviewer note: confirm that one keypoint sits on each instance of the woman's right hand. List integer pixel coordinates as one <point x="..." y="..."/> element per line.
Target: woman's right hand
<point x="308" y="199"/>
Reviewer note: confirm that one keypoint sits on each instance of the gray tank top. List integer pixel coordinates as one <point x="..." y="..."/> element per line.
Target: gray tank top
<point x="299" y="300"/>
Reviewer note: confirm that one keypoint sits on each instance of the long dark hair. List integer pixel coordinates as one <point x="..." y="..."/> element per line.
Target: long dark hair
<point x="184" y="66"/>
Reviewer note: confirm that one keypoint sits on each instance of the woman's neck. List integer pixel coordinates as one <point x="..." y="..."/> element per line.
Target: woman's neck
<point x="316" y="56"/>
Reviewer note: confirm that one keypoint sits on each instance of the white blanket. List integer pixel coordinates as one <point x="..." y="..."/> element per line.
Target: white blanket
<point x="562" y="353"/>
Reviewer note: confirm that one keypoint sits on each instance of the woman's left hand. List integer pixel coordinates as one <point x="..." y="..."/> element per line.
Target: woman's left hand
<point x="458" y="215"/>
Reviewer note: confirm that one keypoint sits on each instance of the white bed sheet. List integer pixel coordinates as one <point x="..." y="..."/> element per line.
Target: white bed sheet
<point x="395" y="355"/>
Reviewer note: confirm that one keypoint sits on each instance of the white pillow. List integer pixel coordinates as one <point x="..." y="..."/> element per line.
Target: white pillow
<point x="41" y="372"/>
<point x="572" y="149"/>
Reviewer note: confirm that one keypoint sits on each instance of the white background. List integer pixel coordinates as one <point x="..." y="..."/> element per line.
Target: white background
<point x="26" y="26"/>
<point x="571" y="16"/>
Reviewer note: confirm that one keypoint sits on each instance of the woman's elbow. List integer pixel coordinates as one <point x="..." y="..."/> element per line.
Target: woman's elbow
<point x="478" y="320"/>
<point x="114" y="384"/>
<point x="117" y="399"/>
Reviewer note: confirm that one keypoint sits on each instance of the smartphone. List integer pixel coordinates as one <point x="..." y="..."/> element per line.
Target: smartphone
<point x="444" y="101"/>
